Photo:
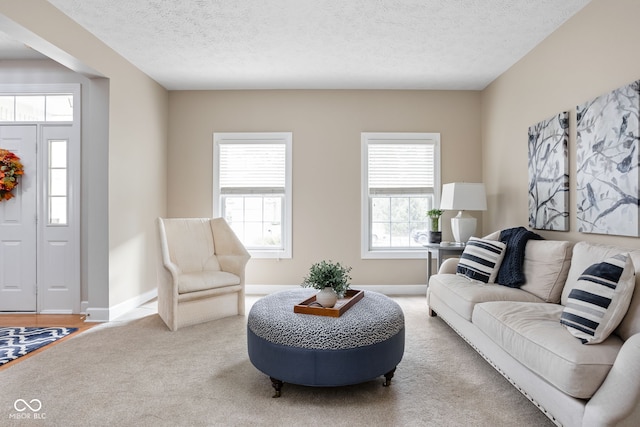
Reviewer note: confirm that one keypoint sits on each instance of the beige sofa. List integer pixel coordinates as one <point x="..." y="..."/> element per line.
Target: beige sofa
<point x="518" y="331"/>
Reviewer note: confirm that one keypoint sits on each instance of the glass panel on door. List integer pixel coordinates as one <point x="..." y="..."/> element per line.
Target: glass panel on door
<point x="58" y="182"/>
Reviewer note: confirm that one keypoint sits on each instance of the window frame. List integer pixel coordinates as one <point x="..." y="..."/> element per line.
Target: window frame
<point x="367" y="138"/>
<point x="286" y="138"/>
<point x="45" y="97"/>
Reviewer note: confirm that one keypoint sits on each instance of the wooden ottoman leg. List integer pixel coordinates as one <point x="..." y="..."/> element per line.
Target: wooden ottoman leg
<point x="277" y="385"/>
<point x="387" y="377"/>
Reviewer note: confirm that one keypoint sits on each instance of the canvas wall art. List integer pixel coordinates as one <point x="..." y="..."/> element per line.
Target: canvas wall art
<point x="549" y="174"/>
<point x="607" y="156"/>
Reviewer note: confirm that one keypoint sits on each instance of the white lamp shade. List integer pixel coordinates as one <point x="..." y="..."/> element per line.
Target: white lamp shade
<point x="463" y="196"/>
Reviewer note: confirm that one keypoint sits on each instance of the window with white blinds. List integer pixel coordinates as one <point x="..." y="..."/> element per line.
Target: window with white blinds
<point x="400" y="183"/>
<point x="252" y="189"/>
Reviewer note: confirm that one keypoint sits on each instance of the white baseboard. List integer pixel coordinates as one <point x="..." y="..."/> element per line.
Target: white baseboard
<point x="97" y="314"/>
<point x="383" y="289"/>
<point x="111" y="313"/>
<point x="56" y="312"/>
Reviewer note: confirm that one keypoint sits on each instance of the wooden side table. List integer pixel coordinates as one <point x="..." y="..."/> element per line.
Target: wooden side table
<point x="441" y="253"/>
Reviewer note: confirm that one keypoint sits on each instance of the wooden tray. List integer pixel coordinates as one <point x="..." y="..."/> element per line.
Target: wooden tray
<point x="351" y="297"/>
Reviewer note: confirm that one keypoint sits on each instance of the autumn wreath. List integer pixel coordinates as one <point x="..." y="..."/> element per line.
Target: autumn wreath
<point x="10" y="169"/>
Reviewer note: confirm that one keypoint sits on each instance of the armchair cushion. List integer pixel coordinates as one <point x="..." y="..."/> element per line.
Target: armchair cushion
<point x="199" y="281"/>
<point x="192" y="248"/>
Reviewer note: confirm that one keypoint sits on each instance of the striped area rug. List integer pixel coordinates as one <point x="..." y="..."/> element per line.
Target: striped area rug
<point x="16" y="342"/>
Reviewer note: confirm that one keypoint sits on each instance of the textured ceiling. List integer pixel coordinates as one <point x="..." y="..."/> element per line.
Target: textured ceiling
<point x="322" y="44"/>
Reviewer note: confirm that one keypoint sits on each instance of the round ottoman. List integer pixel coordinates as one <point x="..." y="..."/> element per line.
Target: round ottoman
<point x="367" y="341"/>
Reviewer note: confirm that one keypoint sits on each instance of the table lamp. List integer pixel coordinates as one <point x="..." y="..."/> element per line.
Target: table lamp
<point x="461" y="197"/>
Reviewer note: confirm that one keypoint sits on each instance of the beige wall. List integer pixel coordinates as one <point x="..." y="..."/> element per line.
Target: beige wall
<point x="137" y="181"/>
<point x="132" y="135"/>
<point x="326" y="128"/>
<point x="594" y="52"/>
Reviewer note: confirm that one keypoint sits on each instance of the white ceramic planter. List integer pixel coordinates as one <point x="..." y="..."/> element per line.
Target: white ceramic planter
<point x="327" y="297"/>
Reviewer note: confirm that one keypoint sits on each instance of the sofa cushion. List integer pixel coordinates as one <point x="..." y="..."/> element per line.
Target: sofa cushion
<point x="193" y="282"/>
<point x="481" y="260"/>
<point x="493" y="236"/>
<point x="600" y="299"/>
<point x="546" y="265"/>
<point x="461" y="295"/>
<point x="532" y="334"/>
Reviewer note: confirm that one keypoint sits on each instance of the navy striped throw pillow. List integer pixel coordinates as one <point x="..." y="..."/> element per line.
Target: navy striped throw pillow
<point x="600" y="299"/>
<point x="481" y="260"/>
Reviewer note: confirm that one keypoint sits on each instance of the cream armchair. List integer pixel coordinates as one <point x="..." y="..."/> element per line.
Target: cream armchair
<point x="200" y="271"/>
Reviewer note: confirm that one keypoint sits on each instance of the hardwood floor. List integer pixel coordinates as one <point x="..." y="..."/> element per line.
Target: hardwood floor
<point x="43" y="320"/>
<point x="65" y="320"/>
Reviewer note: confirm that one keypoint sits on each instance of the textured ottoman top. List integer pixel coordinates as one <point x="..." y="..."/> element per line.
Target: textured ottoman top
<point x="373" y="319"/>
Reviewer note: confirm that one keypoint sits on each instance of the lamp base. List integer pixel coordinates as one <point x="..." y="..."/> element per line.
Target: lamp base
<point x="463" y="226"/>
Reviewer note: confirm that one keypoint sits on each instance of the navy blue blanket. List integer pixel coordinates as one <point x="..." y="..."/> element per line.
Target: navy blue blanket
<point x="511" y="271"/>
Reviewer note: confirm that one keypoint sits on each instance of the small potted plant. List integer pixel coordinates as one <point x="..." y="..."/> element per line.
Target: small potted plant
<point x="435" y="235"/>
<point x="331" y="279"/>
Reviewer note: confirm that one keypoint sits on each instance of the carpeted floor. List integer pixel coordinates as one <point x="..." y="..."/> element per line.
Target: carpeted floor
<point x="135" y="372"/>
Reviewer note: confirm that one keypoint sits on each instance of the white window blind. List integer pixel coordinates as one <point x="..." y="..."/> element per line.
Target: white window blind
<point x="401" y="168"/>
<point x="252" y="168"/>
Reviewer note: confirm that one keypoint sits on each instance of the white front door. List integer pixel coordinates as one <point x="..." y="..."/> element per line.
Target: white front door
<point x="40" y="226"/>
<point x="18" y="238"/>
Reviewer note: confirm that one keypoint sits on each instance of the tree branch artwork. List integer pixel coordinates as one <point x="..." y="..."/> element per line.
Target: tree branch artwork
<point x="549" y="174"/>
<point x="607" y="154"/>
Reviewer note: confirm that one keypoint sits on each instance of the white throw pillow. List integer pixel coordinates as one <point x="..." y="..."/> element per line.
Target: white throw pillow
<point x="600" y="299"/>
<point x="481" y="260"/>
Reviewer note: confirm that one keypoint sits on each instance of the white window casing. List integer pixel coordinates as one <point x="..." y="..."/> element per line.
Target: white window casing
<point x="400" y="182"/>
<point x="252" y="189"/>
